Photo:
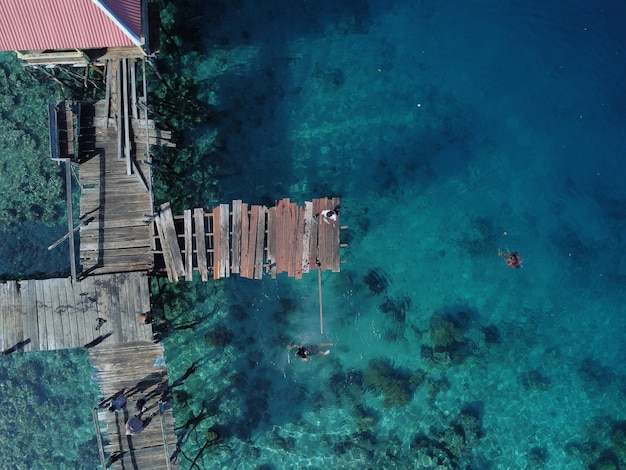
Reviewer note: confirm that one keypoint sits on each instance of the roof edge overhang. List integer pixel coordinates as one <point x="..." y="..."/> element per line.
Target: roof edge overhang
<point x="132" y="36"/>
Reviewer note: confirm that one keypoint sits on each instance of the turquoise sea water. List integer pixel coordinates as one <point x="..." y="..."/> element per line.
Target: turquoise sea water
<point x="450" y="131"/>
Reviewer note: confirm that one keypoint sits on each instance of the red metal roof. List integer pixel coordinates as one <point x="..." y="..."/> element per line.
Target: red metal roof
<point x="31" y="25"/>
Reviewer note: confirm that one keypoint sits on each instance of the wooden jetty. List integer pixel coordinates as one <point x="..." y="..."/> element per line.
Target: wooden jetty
<point x="52" y="314"/>
<point x="248" y="240"/>
<point x="140" y="368"/>
<point x="109" y="141"/>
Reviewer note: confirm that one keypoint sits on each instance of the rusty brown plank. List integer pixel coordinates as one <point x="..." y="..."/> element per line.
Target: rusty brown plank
<point x="236" y="237"/>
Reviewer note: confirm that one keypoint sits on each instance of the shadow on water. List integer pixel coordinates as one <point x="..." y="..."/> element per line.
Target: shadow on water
<point x="232" y="110"/>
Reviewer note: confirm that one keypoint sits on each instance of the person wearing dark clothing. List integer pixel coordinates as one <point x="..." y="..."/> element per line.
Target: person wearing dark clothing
<point x="304" y="352"/>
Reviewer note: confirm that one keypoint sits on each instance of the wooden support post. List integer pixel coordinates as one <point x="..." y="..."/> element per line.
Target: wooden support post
<point x="133" y="90"/>
<point x="319" y="285"/>
<point x="118" y="111"/>
<point x="70" y="217"/>
<point x="129" y="167"/>
<point x="107" y="92"/>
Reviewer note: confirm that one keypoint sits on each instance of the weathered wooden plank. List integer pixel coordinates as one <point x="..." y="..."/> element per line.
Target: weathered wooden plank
<point x="169" y="242"/>
<point x="72" y="312"/>
<point x="201" y="254"/>
<point x="294" y="253"/>
<point x="41" y="315"/>
<point x="253" y="227"/>
<point x="297" y="254"/>
<point x="260" y="243"/>
<point x="321" y="235"/>
<point x="224" y="250"/>
<point x="306" y="236"/>
<point x="236" y="237"/>
<point x="29" y="314"/>
<point x="315" y="226"/>
<point x="54" y="328"/>
<point x="271" y="240"/>
<point x="280" y="236"/>
<point x="4" y="327"/>
<point x="6" y="320"/>
<point x="335" y="261"/>
<point x="245" y="241"/>
<point x="114" y="311"/>
<point x="188" y="229"/>
<point x="216" y="242"/>
<point x="89" y="301"/>
<point x="59" y="300"/>
<point x="16" y="307"/>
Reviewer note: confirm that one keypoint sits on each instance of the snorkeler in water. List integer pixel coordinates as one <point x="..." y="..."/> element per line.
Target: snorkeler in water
<point x="304" y="352"/>
<point x="512" y="259"/>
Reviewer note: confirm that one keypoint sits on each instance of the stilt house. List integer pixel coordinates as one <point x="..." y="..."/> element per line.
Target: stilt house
<point x="78" y="32"/>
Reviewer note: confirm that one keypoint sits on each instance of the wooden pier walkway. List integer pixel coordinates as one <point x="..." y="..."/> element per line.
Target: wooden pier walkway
<point x="248" y="240"/>
<point x="51" y="314"/>
<point x="108" y="142"/>
<point x="139" y="367"/>
<point x="115" y="135"/>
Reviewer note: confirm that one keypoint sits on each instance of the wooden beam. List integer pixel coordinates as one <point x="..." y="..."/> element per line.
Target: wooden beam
<point x="127" y="147"/>
<point x="169" y="243"/>
<point x="236" y="237"/>
<point x="216" y="243"/>
<point x="133" y="90"/>
<point x="201" y="254"/>
<point x="245" y="240"/>
<point x="118" y="111"/>
<point x="260" y="243"/>
<point x="306" y="236"/>
<point x="224" y="229"/>
<point x="188" y="228"/>
<point x="107" y="92"/>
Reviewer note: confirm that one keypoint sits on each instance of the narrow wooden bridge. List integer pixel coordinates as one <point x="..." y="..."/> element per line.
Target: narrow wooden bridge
<point x="101" y="314"/>
<point x="248" y="240"/>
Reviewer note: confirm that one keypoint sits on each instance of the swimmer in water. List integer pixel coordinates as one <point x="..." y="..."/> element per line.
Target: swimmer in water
<point x="512" y="259"/>
<point x="304" y="352"/>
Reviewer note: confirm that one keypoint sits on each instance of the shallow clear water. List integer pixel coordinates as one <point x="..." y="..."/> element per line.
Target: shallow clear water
<point x="449" y="132"/>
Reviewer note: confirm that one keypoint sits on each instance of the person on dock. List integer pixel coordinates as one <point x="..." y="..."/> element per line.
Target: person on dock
<point x="136" y="424"/>
<point x="329" y="216"/>
<point x="512" y="259"/>
<point x="304" y="352"/>
<point x="119" y="401"/>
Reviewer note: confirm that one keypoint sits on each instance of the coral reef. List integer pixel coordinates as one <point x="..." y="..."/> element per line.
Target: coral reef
<point x="218" y="337"/>
<point x="538" y="457"/>
<point x="395" y="310"/>
<point x="376" y="280"/>
<point x="451" y="344"/>
<point x="450" y="448"/>
<point x="394" y="384"/>
<point x="536" y="381"/>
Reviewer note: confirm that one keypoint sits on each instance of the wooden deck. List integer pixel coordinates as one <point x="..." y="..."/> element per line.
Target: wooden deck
<point x="42" y="315"/>
<point x="114" y="176"/>
<point x="135" y="366"/>
<point x="248" y="240"/>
